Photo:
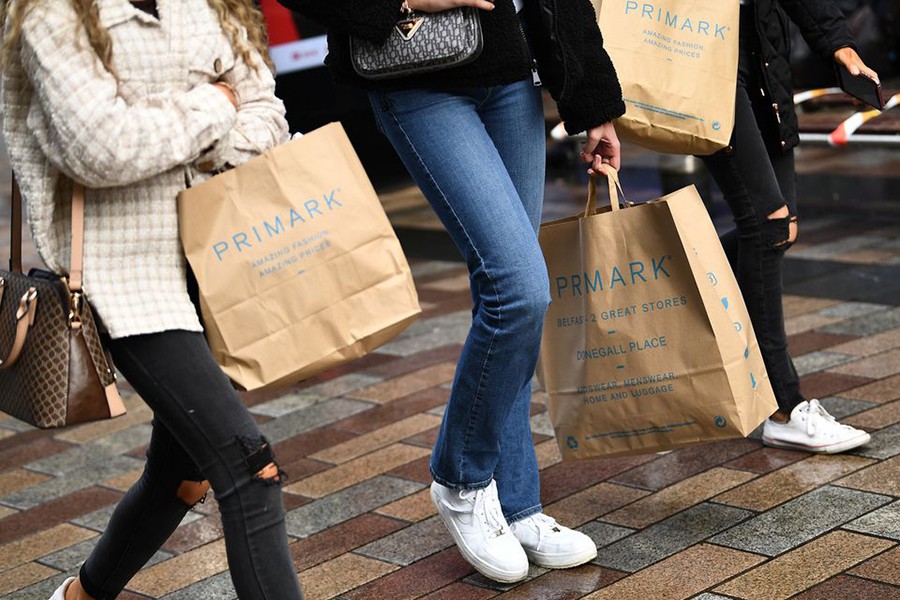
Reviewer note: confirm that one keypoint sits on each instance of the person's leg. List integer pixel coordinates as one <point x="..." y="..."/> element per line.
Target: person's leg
<point x="445" y="145"/>
<point x="204" y="421"/>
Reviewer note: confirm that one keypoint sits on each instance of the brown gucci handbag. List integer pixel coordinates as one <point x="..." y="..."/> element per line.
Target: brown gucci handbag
<point x="54" y="371"/>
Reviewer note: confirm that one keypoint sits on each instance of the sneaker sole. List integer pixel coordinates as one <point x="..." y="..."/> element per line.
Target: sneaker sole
<point x="482" y="567"/>
<point x="560" y="561"/>
<point x="832" y="449"/>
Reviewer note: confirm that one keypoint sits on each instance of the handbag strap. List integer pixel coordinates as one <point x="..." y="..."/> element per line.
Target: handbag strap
<point x="76" y="267"/>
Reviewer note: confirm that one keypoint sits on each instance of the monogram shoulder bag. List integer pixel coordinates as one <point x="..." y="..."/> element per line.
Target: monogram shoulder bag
<point x="420" y="43"/>
<point x="53" y="369"/>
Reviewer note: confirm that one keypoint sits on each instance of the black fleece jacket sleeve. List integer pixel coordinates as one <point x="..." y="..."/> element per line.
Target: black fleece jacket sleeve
<point x="822" y="24"/>
<point x="366" y="19"/>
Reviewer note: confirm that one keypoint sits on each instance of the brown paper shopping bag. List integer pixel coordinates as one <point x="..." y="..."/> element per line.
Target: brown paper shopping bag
<point x="298" y="267"/>
<point x="647" y="343"/>
<point x="677" y="64"/>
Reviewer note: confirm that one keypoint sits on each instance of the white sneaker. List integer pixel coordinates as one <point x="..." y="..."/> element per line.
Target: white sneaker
<point x="475" y="520"/>
<point x="549" y="544"/>
<point x="811" y="428"/>
<point x="60" y="593"/>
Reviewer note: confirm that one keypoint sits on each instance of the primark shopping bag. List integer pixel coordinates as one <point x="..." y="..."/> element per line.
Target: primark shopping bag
<point x="647" y="343"/>
<point x="677" y="63"/>
<point x="298" y="267"/>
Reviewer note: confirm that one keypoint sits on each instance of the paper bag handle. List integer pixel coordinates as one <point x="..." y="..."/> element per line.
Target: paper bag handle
<point x="612" y="179"/>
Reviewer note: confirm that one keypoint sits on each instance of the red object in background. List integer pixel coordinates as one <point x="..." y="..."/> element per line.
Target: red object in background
<point x="279" y="22"/>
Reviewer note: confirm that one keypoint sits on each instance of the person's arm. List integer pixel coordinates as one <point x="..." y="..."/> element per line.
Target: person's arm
<point x="89" y="132"/>
<point x="260" y="120"/>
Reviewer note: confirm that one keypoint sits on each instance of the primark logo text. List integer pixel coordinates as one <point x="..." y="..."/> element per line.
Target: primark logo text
<point x="638" y="271"/>
<point x="677" y="21"/>
<point x="268" y="229"/>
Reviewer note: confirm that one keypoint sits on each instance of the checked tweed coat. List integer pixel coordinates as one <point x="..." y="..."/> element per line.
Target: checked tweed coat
<point x="134" y="142"/>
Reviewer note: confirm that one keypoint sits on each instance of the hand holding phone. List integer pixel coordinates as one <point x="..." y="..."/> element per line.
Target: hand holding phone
<point x="861" y="87"/>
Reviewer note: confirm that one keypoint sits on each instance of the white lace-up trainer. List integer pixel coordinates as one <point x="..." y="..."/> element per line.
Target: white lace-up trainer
<point x="60" y="593"/>
<point x="811" y="428"/>
<point x="475" y="520"/>
<point x="549" y="544"/>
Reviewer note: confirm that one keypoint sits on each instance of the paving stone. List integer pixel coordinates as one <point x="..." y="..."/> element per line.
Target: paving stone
<point x="428" y="269"/>
<point x="811" y="341"/>
<point x="820" y="361"/>
<point x="377" y="439"/>
<point x="195" y="533"/>
<point x="883" y="390"/>
<point x="341" y="538"/>
<point x="840" y="407"/>
<point x="591" y="503"/>
<point x="866" y="325"/>
<point x="766" y="460"/>
<point x="304" y="444"/>
<point x="422" y="577"/>
<point x="41" y="590"/>
<point x="180" y="571"/>
<point x="876" y="418"/>
<point x="853" y="309"/>
<point x="54" y="512"/>
<point x="98" y="520"/>
<point x="346" y="504"/>
<point x="307" y="397"/>
<point x="798" y="305"/>
<point x="349" y="473"/>
<point x="70" y="559"/>
<point x="415" y="470"/>
<point x="341" y="574"/>
<point x="680" y="576"/>
<point x="482" y="581"/>
<point x="410" y="544"/>
<point x="566" y="478"/>
<point x="800" y="520"/>
<point x="386" y="414"/>
<point x="880" y="478"/>
<point x="884" y="522"/>
<point x="95" y="453"/>
<point x="311" y="417"/>
<point x="850" y="588"/>
<point x="138" y="414"/>
<point x="413" y="508"/>
<point x="827" y="383"/>
<point x="882" y="567"/>
<point x="884" y="444"/>
<point x="439" y="331"/>
<point x="847" y="244"/>
<point x="876" y="366"/>
<point x="809" y="322"/>
<point x="866" y="346"/>
<point x="792" y="481"/>
<point x="22" y="576"/>
<point x="604" y="534"/>
<point x="17" y="479"/>
<point x="804" y="567"/>
<point x="677" y="497"/>
<point x="35" y="546"/>
<point x="669" y="536"/>
<point x="5" y="511"/>
<point x="567" y="584"/>
<point x="401" y="365"/>
<point x="709" y="596"/>
<point x="459" y="591"/>
<point x="72" y="481"/>
<point x="217" y="587"/>
<point x="665" y="470"/>
<point x="404" y="385"/>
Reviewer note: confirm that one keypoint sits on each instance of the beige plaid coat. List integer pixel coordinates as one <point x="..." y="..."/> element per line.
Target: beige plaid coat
<point x="134" y="143"/>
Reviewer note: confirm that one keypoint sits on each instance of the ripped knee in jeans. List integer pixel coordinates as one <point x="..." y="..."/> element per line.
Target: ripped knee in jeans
<point x="780" y="229"/>
<point x="192" y="493"/>
<point x="260" y="460"/>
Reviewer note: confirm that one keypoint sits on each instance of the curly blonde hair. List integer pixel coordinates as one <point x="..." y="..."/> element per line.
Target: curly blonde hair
<point x="233" y="15"/>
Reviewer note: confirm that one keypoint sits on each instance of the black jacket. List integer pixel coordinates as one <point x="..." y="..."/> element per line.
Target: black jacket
<point x="567" y="44"/>
<point x="825" y="30"/>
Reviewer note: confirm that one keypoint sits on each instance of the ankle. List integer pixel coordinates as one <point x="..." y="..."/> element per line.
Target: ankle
<point x="779" y="416"/>
<point x="76" y="592"/>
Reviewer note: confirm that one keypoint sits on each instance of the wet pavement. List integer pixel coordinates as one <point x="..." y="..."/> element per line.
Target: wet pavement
<point x="726" y="520"/>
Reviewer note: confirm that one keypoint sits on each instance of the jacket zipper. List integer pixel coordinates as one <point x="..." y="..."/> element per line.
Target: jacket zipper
<point x="535" y="78"/>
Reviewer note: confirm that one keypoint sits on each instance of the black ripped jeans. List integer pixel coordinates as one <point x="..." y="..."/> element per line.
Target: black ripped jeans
<point x="201" y="431"/>
<point x="757" y="178"/>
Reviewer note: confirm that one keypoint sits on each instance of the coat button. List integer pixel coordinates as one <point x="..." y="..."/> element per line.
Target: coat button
<point x="783" y="143"/>
<point x="218" y="65"/>
<point x="207" y="166"/>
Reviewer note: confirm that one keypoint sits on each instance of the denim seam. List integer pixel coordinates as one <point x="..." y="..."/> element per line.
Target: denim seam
<point x="524" y="514"/>
<point x="479" y="485"/>
<point x="124" y="348"/>
<point x="476" y="403"/>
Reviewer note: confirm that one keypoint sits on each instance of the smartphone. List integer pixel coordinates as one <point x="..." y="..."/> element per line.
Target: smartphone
<point x="861" y="87"/>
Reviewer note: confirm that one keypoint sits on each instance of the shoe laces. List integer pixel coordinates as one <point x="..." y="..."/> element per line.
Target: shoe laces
<point x="815" y="409"/>
<point x="545" y="525"/>
<point x="487" y="509"/>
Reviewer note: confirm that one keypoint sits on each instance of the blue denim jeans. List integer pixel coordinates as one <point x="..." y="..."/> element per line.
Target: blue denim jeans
<point x="479" y="157"/>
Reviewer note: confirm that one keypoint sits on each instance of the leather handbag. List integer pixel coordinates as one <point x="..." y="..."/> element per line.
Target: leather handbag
<point x="420" y="43"/>
<point x="54" y="371"/>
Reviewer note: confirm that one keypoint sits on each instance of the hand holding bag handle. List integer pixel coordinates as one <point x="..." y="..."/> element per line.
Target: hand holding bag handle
<point x="612" y="178"/>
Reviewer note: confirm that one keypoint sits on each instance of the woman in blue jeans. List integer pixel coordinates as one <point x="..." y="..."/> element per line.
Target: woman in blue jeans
<point x="473" y="139"/>
<point x="757" y="178"/>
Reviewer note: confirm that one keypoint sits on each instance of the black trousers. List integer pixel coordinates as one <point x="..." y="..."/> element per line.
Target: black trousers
<point x="757" y="178"/>
<point x="201" y="431"/>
